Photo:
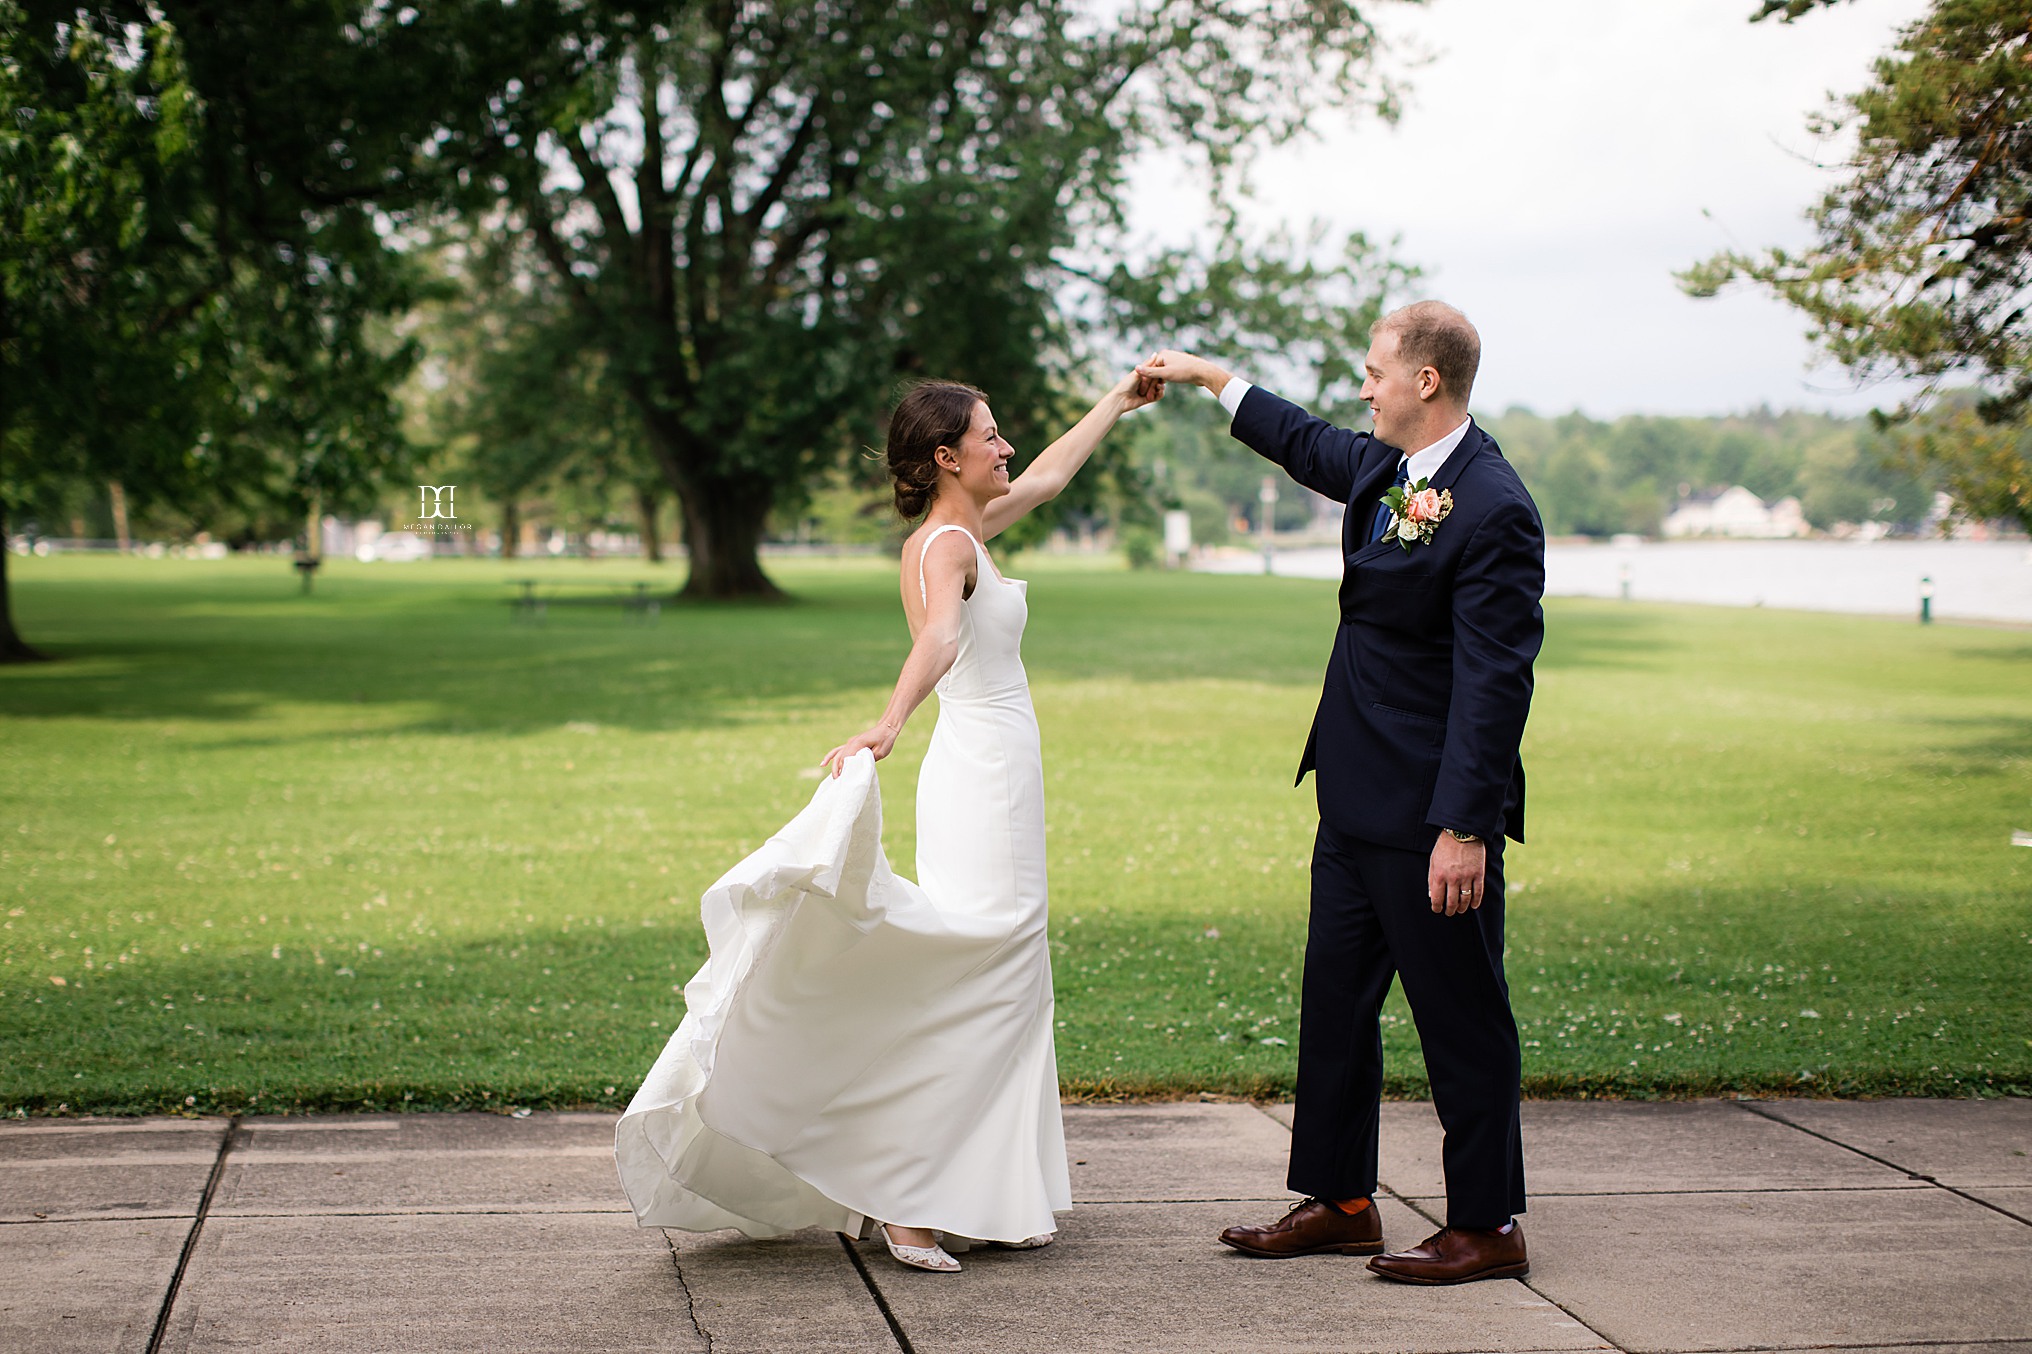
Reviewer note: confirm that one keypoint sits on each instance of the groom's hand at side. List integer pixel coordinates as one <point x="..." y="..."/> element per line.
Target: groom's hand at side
<point x="1185" y="369"/>
<point x="1454" y="880"/>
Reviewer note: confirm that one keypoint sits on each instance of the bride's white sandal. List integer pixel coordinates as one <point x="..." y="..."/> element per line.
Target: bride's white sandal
<point x="932" y="1258"/>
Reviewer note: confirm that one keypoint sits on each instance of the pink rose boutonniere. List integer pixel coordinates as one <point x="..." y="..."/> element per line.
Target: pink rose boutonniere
<point x="1416" y="512"/>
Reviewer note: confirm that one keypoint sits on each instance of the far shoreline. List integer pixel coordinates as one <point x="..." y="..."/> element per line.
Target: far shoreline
<point x="1983" y="582"/>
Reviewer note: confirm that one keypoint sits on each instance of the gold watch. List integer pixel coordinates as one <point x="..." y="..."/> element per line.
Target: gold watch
<point x="1461" y="836"/>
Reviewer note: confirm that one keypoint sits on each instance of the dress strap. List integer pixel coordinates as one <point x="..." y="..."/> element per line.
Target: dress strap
<point x="922" y="593"/>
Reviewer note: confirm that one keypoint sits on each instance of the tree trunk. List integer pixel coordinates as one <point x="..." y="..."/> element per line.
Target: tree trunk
<point x="648" y="502"/>
<point x="118" y="493"/>
<point x="723" y="517"/>
<point x="13" y="649"/>
<point x="511" y="528"/>
<point x="723" y="522"/>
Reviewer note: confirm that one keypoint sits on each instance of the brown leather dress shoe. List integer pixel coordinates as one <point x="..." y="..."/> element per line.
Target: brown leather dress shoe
<point x="1457" y="1255"/>
<point x="1313" y="1227"/>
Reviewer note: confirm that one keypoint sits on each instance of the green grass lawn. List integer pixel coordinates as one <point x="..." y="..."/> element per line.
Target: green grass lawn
<point x="384" y="847"/>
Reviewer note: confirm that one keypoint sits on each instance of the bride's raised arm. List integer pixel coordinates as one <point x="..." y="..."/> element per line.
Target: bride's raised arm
<point x="1055" y="466"/>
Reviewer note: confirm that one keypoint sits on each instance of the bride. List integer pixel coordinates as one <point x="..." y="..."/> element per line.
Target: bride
<point x="860" y="1052"/>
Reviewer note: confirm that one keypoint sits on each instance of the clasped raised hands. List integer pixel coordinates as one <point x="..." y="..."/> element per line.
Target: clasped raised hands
<point x="1137" y="390"/>
<point x="1173" y="366"/>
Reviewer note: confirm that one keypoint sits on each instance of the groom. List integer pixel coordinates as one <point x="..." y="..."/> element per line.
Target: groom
<point x="1415" y="744"/>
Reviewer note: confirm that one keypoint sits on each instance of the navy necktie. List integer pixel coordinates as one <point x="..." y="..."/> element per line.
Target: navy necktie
<point x="1377" y="527"/>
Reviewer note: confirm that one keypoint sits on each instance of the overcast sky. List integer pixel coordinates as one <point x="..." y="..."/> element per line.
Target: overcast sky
<point x="1552" y="169"/>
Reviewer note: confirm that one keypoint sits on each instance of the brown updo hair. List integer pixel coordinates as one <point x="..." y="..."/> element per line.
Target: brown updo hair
<point x="931" y="415"/>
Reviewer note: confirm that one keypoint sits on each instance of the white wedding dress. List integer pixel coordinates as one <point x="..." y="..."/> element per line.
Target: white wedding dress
<point x="859" y="1046"/>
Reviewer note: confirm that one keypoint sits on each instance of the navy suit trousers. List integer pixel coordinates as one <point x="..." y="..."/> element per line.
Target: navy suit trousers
<point x="1371" y="920"/>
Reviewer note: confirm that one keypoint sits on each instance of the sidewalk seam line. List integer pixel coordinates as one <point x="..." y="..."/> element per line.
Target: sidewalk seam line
<point x="875" y="1292"/>
<point x="177" y="1216"/>
<point x="1258" y="1106"/>
<point x="506" y="1211"/>
<point x="1878" y="1344"/>
<point x="1283" y="1198"/>
<point x="1528" y="1286"/>
<point x="190" y="1241"/>
<point x="690" y="1302"/>
<point x="1889" y="1187"/>
<point x="1754" y="1107"/>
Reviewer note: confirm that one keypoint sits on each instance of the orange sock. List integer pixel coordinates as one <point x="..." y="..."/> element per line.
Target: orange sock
<point x="1349" y="1205"/>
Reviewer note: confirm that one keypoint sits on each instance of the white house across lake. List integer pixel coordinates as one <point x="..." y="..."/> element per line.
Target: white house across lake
<point x="1736" y="512"/>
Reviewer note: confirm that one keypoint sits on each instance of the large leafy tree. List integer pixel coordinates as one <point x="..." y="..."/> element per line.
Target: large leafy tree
<point x="763" y="215"/>
<point x="97" y="288"/>
<point x="1923" y="259"/>
<point x="768" y="214"/>
<point x="197" y="275"/>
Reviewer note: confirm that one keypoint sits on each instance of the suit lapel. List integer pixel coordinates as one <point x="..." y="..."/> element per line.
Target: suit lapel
<point x="1368" y="490"/>
<point x="1471" y="444"/>
<point x="1374" y="550"/>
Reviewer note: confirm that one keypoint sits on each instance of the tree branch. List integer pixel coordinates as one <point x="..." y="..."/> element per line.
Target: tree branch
<point x="613" y="221"/>
<point x="655" y="245"/>
<point x="553" y="249"/>
<point x="786" y="169"/>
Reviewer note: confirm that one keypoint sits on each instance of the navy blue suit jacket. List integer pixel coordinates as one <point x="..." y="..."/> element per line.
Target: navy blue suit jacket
<point x="1430" y="679"/>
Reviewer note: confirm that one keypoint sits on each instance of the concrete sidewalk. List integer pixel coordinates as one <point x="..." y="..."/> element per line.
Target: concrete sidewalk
<point x="1711" y="1226"/>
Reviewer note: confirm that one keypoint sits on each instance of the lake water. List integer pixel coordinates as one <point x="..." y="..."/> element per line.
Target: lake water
<point x="1972" y="580"/>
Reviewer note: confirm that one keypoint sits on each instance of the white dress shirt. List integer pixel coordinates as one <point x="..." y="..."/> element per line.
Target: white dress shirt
<point x="1425" y="462"/>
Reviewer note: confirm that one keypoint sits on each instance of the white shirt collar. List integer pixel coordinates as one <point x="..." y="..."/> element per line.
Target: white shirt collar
<point x="1426" y="461"/>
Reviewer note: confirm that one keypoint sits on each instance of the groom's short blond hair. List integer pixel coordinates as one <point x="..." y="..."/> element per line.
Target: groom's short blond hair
<point x="1434" y="334"/>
